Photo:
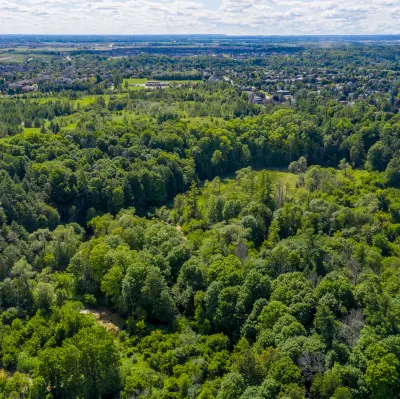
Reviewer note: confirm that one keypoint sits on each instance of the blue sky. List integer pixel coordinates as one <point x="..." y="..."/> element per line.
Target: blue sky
<point x="266" y="17"/>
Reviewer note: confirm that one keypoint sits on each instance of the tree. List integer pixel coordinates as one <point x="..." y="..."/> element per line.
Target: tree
<point x="325" y="323"/>
<point x="117" y="79"/>
<point x="377" y="156"/>
<point x="344" y="165"/>
<point x="382" y="377"/>
<point x="299" y="166"/>
<point x="294" y="167"/>
<point x="145" y="287"/>
<point x="215" y="206"/>
<point x="271" y="313"/>
<point x="156" y="298"/>
<point x="311" y="363"/>
<point x="269" y="389"/>
<point x="232" y="387"/>
<point x="112" y="282"/>
<point x="393" y="172"/>
<point x="342" y="393"/>
<point x="225" y="317"/>
<point x="86" y="364"/>
<point x="285" y="372"/>
<point x="302" y="162"/>
<point x="192" y="198"/>
<point x="44" y="296"/>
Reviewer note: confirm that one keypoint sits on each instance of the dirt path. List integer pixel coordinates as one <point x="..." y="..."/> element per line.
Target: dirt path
<point x="179" y="230"/>
<point x="111" y="321"/>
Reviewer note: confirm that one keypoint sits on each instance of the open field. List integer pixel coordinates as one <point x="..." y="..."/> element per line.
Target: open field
<point x="228" y="183"/>
<point x="32" y="130"/>
<point x="82" y="102"/>
<point x="23" y="55"/>
<point x="135" y="81"/>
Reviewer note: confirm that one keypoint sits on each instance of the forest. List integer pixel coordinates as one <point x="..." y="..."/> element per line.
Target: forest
<point x="186" y="242"/>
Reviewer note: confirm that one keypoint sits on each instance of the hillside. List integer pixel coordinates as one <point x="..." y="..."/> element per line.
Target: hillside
<point x="206" y="239"/>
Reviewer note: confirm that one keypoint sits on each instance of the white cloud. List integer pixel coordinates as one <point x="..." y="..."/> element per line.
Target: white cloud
<point x="196" y="16"/>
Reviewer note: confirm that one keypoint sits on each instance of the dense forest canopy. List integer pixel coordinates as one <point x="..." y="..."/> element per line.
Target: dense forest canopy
<point x="234" y="234"/>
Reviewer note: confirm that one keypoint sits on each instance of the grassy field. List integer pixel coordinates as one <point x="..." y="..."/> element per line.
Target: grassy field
<point x="70" y="126"/>
<point x="32" y="130"/>
<point x="23" y="56"/>
<point x="83" y="102"/>
<point x="229" y="183"/>
<point x="47" y="100"/>
<point x="134" y="81"/>
<point x="12" y="58"/>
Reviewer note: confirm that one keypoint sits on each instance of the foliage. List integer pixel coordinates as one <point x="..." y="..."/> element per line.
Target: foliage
<point x="152" y="244"/>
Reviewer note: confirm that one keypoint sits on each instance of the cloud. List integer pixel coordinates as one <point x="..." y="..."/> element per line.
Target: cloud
<point x="278" y="17"/>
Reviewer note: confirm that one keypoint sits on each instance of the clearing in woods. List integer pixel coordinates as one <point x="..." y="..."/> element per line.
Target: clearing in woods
<point x="112" y="322"/>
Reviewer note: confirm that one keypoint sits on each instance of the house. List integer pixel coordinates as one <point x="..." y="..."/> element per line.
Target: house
<point x="27" y="89"/>
<point x="268" y="100"/>
<point x="257" y="100"/>
<point x="214" y="78"/>
<point x="290" y="99"/>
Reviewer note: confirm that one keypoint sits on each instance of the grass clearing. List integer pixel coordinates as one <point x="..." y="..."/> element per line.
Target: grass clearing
<point x="85" y="101"/>
<point x="70" y="126"/>
<point x="229" y="184"/>
<point x="89" y="100"/>
<point x="135" y="81"/>
<point x="31" y="130"/>
<point x="22" y="55"/>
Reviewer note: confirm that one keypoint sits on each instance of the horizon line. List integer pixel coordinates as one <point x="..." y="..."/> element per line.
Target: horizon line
<point x="203" y="34"/>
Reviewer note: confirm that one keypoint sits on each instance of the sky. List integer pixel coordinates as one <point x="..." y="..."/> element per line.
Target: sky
<point x="232" y="17"/>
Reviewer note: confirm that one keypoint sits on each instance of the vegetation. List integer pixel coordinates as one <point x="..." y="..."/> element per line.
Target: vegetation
<point x="186" y="242"/>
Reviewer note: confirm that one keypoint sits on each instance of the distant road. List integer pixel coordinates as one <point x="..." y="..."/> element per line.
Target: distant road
<point x="6" y="58"/>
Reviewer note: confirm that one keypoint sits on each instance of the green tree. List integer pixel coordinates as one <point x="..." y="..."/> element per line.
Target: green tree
<point x="393" y="172"/>
<point x="382" y="377"/>
<point x="232" y="386"/>
<point x="325" y="323"/>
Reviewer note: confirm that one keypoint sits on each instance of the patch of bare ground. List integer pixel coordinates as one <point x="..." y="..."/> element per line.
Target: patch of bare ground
<point x="111" y="321"/>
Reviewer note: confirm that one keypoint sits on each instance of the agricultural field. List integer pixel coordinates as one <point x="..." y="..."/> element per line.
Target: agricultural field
<point x="22" y="56"/>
